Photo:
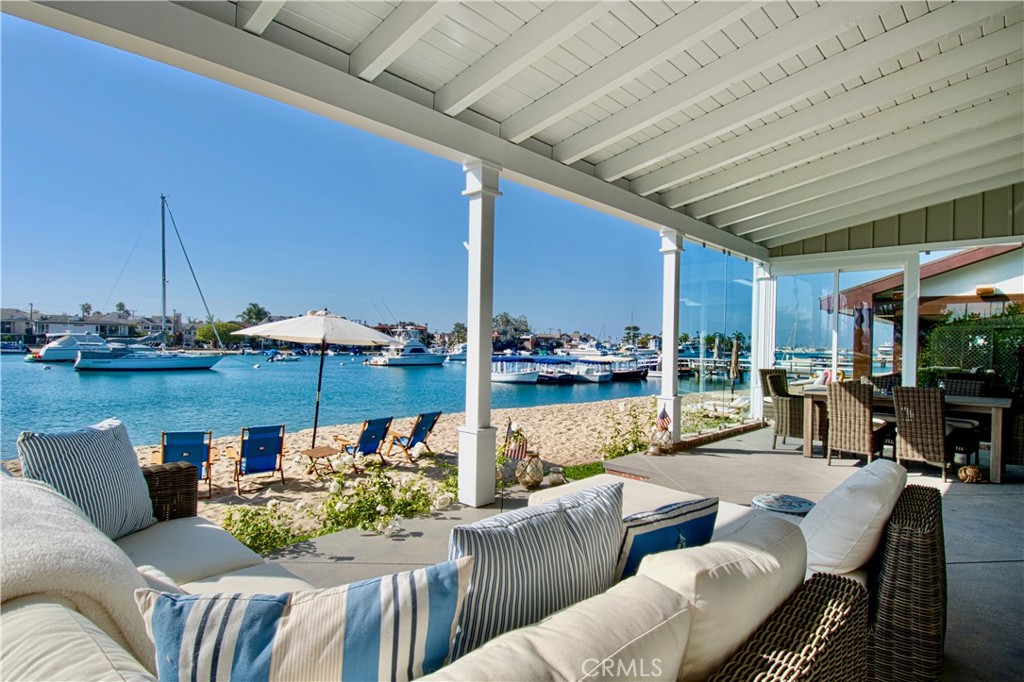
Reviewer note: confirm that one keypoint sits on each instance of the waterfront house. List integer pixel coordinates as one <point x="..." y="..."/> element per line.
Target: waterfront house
<point x="15" y="323"/>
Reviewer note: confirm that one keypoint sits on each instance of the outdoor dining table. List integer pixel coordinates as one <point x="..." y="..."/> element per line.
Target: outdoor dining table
<point x="962" y="403"/>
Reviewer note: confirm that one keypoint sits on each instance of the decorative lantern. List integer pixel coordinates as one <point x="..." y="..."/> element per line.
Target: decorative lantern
<point x="555" y="476"/>
<point x="530" y="471"/>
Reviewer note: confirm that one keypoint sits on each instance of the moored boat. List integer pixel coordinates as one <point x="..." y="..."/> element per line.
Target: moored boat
<point x="407" y="351"/>
<point x="142" y="359"/>
<point x="586" y="371"/>
<point x="514" y="370"/>
<point x="64" y="347"/>
<point x="553" y="371"/>
<point x="457" y="353"/>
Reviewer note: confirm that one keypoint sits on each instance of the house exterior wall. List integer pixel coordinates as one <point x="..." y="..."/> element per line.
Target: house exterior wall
<point x="988" y="215"/>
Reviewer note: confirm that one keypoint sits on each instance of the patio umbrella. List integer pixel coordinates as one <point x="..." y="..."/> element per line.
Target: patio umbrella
<point x="319" y="326"/>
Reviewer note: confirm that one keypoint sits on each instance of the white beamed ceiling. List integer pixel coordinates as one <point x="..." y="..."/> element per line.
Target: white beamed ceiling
<point x="743" y="125"/>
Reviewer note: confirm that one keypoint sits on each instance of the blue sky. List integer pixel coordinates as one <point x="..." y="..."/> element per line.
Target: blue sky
<point x="286" y="209"/>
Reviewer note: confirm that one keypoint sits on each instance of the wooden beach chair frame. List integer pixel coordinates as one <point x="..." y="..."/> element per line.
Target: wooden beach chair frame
<point x="370" y="440"/>
<point x="420" y="432"/>
<point x="241" y="456"/>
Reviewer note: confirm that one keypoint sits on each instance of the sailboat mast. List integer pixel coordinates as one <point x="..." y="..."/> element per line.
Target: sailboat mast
<point x="163" y="267"/>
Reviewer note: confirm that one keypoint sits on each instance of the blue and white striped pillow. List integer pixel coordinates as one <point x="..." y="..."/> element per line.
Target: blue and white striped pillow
<point x="532" y="562"/>
<point x="97" y="469"/>
<point x="398" y="627"/>
<point x="673" y="526"/>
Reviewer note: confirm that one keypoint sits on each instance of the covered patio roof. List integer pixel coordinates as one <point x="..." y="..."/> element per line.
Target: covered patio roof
<point x="759" y="128"/>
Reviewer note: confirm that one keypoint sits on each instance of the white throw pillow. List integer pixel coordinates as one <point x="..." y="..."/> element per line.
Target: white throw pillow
<point x="844" y="528"/>
<point x="734" y="584"/>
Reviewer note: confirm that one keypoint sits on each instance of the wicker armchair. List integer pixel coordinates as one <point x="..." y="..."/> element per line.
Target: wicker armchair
<point x="922" y="433"/>
<point x="969" y="387"/>
<point x="789" y="412"/>
<point x="769" y="405"/>
<point x="884" y="383"/>
<point x="852" y="428"/>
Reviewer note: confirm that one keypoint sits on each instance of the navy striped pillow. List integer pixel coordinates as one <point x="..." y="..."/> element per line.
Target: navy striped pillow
<point x="532" y="562"/>
<point x="398" y="627"/>
<point x="97" y="469"/>
<point x="673" y="526"/>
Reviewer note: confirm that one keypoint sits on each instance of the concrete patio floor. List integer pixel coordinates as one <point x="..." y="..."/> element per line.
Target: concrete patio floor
<point x="983" y="523"/>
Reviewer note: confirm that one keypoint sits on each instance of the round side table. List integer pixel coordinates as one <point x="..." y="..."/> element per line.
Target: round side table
<point x="783" y="504"/>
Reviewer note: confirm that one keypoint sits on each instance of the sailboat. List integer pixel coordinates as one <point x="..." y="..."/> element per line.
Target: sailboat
<point x="121" y="357"/>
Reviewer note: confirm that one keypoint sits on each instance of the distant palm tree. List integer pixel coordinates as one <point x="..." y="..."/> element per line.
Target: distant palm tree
<point x="86" y="309"/>
<point x="253" y="314"/>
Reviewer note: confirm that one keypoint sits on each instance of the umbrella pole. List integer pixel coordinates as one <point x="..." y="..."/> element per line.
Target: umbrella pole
<point x="319" y="382"/>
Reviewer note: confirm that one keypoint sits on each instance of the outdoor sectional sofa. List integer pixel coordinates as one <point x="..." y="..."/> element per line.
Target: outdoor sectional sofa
<point x="822" y="628"/>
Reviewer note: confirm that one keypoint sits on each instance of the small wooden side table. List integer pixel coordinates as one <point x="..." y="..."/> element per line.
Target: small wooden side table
<point x="320" y="459"/>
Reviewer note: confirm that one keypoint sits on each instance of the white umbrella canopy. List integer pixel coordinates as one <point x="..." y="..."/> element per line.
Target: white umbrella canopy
<point x="319" y="326"/>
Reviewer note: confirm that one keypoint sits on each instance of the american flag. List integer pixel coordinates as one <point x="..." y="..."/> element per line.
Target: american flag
<point x="516" y="450"/>
<point x="663" y="421"/>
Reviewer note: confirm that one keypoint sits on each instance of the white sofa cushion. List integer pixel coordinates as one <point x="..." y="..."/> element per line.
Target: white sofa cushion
<point x="188" y="549"/>
<point x="263" y="579"/>
<point x="532" y="562"/>
<point x="734" y="584"/>
<point x="396" y="627"/>
<point x="97" y="469"/>
<point x="637" y="496"/>
<point x="636" y="630"/>
<point x="844" y="528"/>
<point x="46" y="639"/>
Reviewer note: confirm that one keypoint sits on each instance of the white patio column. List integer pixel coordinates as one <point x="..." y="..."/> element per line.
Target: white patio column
<point x="762" y="335"/>
<point x="477" y="436"/>
<point x="671" y="251"/>
<point x="911" y="301"/>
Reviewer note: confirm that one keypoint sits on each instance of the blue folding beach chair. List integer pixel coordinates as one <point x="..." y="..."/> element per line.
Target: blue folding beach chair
<point x="193" y="447"/>
<point x="421" y="430"/>
<point x="370" y="440"/>
<point x="261" y="452"/>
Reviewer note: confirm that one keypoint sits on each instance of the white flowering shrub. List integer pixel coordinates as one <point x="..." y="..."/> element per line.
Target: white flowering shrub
<point x="377" y="502"/>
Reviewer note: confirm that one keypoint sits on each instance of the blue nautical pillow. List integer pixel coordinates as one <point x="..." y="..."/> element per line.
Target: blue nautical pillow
<point x="674" y="526"/>
<point x="535" y="561"/>
<point x="97" y="469"/>
<point x="398" y="627"/>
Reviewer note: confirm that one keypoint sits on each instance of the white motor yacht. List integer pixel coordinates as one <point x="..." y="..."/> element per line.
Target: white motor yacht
<point x="407" y="351"/>
<point x="64" y="347"/>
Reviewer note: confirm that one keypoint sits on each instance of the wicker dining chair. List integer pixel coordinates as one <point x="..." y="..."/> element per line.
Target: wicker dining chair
<point x="922" y="433"/>
<point x="967" y="387"/>
<point x="769" y="405"/>
<point x="789" y="412"/>
<point x="852" y="428"/>
<point x="884" y="383"/>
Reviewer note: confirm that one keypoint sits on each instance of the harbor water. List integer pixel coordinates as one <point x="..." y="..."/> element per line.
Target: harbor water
<point x="54" y="397"/>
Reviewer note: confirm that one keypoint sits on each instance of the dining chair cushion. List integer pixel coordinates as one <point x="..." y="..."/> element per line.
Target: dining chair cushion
<point x="960" y="423"/>
<point x="96" y="468"/>
<point x="360" y="631"/>
<point x="844" y="528"/>
<point x="734" y="584"/>
<point x="532" y="562"/>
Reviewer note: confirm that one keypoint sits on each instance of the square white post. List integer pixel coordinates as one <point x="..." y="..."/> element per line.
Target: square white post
<point x="671" y="251"/>
<point x="911" y="301"/>
<point x="477" y="436"/>
<point x="762" y="335"/>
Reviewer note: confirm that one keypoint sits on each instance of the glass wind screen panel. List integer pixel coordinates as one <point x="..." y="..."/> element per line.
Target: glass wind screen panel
<point x="803" y="324"/>
<point x="714" y="316"/>
<point x="867" y="313"/>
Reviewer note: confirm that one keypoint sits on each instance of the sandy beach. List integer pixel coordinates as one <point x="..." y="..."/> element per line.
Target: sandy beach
<point x="561" y="434"/>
